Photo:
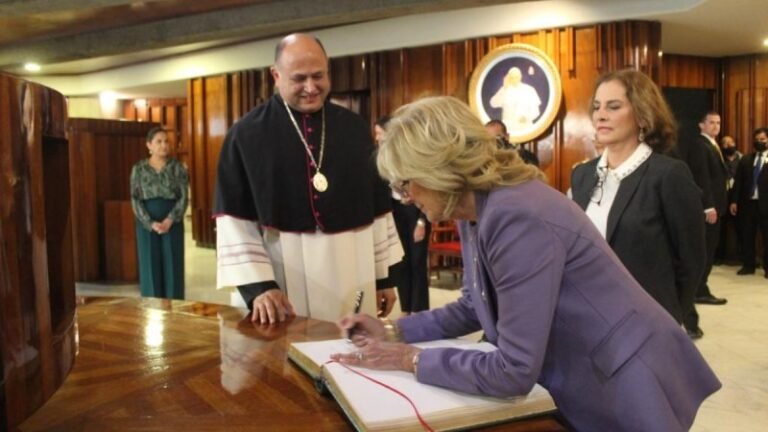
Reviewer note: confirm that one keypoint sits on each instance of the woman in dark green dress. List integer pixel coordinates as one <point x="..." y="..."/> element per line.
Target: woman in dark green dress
<point x="159" y="199"/>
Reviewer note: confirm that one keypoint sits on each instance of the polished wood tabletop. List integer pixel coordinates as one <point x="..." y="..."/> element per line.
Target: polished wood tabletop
<point x="163" y="365"/>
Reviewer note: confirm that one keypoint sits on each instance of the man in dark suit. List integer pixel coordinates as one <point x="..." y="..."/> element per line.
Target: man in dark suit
<point x="729" y="222"/>
<point x="498" y="129"/>
<point x="749" y="201"/>
<point x="705" y="160"/>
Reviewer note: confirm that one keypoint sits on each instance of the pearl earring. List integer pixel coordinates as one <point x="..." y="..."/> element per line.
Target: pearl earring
<point x="641" y="136"/>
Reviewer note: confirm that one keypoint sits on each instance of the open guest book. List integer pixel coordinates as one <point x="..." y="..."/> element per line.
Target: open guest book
<point x="372" y="407"/>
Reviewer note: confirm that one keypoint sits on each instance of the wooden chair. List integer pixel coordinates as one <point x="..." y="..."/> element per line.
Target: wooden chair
<point x="445" y="249"/>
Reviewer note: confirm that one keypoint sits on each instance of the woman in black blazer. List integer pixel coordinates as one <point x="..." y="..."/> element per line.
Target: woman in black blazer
<point x="645" y="204"/>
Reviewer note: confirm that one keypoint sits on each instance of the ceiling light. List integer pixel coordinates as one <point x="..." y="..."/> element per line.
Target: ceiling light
<point x="661" y="53"/>
<point x="765" y="42"/>
<point x="32" y="67"/>
<point x="108" y="102"/>
<point x="107" y="96"/>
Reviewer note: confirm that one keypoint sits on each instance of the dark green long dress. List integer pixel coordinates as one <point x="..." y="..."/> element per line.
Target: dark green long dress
<point x="156" y="195"/>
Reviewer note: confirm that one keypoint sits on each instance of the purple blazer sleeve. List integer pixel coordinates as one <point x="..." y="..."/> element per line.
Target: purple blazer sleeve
<point x="522" y="258"/>
<point x="453" y="320"/>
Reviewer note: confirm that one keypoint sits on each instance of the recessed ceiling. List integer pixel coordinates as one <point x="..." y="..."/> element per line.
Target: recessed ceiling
<point x="57" y="34"/>
<point x="88" y="45"/>
<point x="716" y="28"/>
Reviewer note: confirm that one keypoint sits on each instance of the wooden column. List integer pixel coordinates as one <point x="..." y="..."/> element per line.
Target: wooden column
<point x="37" y="292"/>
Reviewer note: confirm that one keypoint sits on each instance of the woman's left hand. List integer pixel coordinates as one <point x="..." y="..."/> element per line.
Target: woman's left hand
<point x="374" y="354"/>
<point x="165" y="226"/>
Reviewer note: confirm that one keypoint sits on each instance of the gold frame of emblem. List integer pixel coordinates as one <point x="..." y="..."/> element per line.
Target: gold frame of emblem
<point x="551" y="107"/>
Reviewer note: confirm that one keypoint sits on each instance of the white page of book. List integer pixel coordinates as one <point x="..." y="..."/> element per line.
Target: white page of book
<point x="374" y="403"/>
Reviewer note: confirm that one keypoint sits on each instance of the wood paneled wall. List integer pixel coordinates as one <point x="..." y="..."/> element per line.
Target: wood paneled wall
<point x="171" y="113"/>
<point x="215" y="103"/>
<point x="684" y="71"/>
<point x="740" y="84"/>
<point x="102" y="153"/>
<point x="37" y="288"/>
<point x="392" y="78"/>
<point x="580" y="53"/>
<point x="121" y="259"/>
<point x="745" y="94"/>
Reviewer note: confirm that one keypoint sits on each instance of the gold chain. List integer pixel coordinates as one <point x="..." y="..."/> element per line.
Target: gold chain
<point x="304" y="141"/>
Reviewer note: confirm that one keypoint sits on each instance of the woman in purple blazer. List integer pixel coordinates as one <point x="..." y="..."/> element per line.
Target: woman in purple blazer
<point x="539" y="280"/>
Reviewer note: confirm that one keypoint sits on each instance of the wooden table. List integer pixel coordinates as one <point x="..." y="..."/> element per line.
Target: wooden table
<point x="163" y="365"/>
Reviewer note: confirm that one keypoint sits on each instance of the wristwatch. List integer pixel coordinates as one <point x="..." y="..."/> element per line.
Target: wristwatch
<point x="415" y="361"/>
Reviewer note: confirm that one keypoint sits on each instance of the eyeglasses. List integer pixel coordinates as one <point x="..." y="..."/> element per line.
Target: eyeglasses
<point x="400" y="189"/>
<point x="597" y="191"/>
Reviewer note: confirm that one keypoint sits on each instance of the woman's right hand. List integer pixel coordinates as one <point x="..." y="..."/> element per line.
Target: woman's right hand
<point x="363" y="327"/>
<point x="162" y="227"/>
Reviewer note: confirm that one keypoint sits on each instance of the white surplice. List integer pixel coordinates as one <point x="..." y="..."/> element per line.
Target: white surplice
<point x="320" y="272"/>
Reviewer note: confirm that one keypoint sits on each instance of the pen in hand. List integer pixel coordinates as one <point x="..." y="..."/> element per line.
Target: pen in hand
<point x="358" y="305"/>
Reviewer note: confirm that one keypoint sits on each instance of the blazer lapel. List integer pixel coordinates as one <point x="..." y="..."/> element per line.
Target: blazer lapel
<point x="718" y="155"/>
<point x="626" y="190"/>
<point x="762" y="176"/>
<point x="583" y="192"/>
<point x="582" y="199"/>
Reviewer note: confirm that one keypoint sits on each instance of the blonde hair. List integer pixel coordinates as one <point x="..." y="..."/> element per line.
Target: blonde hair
<point x="650" y="109"/>
<point x="439" y="143"/>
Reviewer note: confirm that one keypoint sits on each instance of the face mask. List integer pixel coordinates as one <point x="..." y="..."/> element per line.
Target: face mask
<point x="759" y="146"/>
<point x="729" y="151"/>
